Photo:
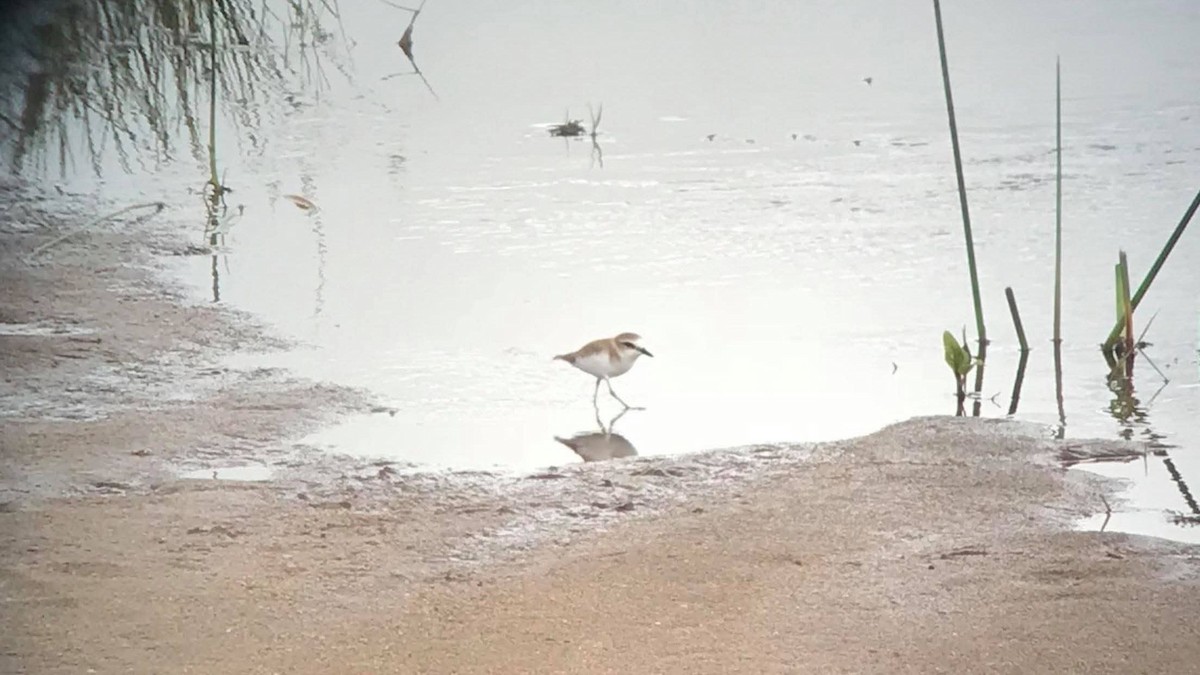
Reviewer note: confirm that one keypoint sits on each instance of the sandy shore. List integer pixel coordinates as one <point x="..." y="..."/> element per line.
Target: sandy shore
<point x="935" y="545"/>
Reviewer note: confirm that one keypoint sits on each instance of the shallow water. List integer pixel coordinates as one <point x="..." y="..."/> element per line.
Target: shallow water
<point x="792" y="274"/>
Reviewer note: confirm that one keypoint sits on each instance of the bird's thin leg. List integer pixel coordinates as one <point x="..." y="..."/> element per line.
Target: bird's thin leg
<point x="613" y="422"/>
<point x="595" y="393"/>
<point x="614" y="395"/>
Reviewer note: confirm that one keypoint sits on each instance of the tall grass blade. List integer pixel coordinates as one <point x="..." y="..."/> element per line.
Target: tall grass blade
<point x="966" y="214"/>
<point x="962" y="187"/>
<point x="1126" y="312"/>
<point x="1058" y="375"/>
<point x="1058" y="201"/>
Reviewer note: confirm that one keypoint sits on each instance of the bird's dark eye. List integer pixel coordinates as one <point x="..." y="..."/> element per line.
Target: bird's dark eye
<point x="629" y="344"/>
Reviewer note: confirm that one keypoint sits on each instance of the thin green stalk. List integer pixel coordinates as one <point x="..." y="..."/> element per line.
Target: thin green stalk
<point x="1117" y="295"/>
<point x="1016" y="315"/>
<point x="1126" y="309"/>
<point x="1061" y="431"/>
<point x="1158" y="263"/>
<point x="1058" y="374"/>
<point x="1058" y="202"/>
<point x="962" y="187"/>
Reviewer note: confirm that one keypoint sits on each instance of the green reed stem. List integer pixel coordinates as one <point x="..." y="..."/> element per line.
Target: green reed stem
<point x="1154" y="269"/>
<point x="1126" y="314"/>
<point x="962" y="187"/>
<point x="1058" y="202"/>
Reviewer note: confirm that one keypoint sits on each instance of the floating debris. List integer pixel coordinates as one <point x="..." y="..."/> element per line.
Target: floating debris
<point x="301" y="202"/>
<point x="570" y="129"/>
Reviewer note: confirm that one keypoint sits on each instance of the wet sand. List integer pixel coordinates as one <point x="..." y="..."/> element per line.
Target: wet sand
<point x="934" y="545"/>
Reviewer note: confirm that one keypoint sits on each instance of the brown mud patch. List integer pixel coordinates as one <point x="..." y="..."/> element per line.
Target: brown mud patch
<point x="111" y="376"/>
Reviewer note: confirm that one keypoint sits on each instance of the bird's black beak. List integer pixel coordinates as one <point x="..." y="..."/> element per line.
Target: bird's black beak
<point x="637" y="347"/>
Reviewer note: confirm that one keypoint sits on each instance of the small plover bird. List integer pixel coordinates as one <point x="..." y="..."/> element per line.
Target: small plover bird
<point x="606" y="358"/>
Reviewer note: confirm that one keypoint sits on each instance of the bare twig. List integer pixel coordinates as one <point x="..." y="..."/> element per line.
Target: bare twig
<point x="596" y="115"/>
<point x="1156" y="369"/>
<point x="1158" y="391"/>
<point x="157" y="206"/>
<point x="1141" y="338"/>
<point x="401" y="7"/>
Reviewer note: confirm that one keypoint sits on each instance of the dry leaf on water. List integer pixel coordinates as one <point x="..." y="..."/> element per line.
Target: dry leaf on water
<point x="301" y="202"/>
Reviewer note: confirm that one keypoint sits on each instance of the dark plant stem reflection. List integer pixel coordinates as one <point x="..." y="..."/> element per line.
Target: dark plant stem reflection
<point x="1188" y="498"/>
<point x="1017" y="382"/>
<point x="1061" y="432"/>
<point x="1134" y="418"/>
<point x="318" y="230"/>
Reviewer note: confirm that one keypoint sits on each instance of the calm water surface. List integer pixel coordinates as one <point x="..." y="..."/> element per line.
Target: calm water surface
<point x="785" y="236"/>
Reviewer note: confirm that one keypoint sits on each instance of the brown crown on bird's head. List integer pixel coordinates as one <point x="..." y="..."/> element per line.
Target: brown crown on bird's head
<point x="629" y="341"/>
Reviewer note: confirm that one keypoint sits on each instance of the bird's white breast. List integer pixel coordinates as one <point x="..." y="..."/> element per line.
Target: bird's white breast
<point x="597" y="364"/>
<point x="601" y="364"/>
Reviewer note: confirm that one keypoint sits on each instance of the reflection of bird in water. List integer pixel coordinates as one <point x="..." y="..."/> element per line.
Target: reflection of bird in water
<point x="597" y="446"/>
<point x="606" y="358"/>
